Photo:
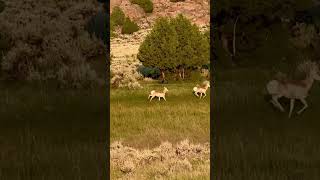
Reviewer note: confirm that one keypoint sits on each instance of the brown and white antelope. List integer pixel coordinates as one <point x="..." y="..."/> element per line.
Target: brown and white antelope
<point x="201" y="89"/>
<point x="294" y="89"/>
<point x="160" y="95"/>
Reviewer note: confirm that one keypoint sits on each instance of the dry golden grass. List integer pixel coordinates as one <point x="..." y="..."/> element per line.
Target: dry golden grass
<point x="183" y="161"/>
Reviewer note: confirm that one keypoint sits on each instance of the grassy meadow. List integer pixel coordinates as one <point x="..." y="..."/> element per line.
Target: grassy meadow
<point x="47" y="133"/>
<point x="141" y="124"/>
<point x="255" y="140"/>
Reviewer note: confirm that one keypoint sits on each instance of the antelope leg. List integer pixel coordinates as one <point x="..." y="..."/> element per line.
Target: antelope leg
<point x="159" y="98"/>
<point x="275" y="100"/>
<point x="304" y="102"/>
<point x="204" y="94"/>
<point x="196" y="93"/>
<point x="151" y="98"/>
<point x="164" y="98"/>
<point x="291" y="106"/>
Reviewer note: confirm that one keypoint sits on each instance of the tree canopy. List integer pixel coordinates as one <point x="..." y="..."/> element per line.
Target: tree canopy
<point x="174" y="43"/>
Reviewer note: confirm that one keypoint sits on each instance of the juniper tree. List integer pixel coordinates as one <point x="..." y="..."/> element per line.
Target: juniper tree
<point x="159" y="49"/>
<point x="193" y="46"/>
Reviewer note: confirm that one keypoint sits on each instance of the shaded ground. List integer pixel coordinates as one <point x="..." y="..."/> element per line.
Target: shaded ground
<point x="256" y="141"/>
<point x="52" y="134"/>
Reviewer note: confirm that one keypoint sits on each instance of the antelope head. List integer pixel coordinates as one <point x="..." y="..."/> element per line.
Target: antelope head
<point x="206" y="83"/>
<point x="165" y="90"/>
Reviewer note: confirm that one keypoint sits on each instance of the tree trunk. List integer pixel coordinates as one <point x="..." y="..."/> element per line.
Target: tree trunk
<point x="234" y="36"/>
<point x="179" y="73"/>
<point x="163" y="76"/>
<point x="183" y="73"/>
<point x="225" y="44"/>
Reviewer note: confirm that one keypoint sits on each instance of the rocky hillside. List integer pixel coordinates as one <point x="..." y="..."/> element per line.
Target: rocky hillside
<point x="196" y="10"/>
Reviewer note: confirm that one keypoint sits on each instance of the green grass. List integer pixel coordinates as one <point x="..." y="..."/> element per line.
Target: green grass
<point x="140" y="123"/>
<point x="48" y="133"/>
<point x="256" y="141"/>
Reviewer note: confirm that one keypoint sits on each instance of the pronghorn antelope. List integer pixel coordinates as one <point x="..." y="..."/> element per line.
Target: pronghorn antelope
<point x="160" y="95"/>
<point x="294" y="89"/>
<point x="201" y="89"/>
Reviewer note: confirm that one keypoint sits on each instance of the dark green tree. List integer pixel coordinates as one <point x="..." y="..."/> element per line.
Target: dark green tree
<point x="159" y="49"/>
<point x="193" y="46"/>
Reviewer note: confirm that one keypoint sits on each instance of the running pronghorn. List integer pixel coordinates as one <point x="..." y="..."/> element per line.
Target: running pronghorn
<point x="294" y="89"/>
<point x="160" y="95"/>
<point x="201" y="89"/>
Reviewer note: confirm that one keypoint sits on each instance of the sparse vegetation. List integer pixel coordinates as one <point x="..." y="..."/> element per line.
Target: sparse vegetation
<point x="146" y="5"/>
<point x="166" y="161"/>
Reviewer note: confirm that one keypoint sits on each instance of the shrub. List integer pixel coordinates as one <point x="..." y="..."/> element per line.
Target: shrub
<point x="117" y="16"/>
<point x="146" y="5"/>
<point x="129" y="26"/>
<point x="112" y="29"/>
<point x="124" y="73"/>
<point x="149" y="72"/>
<point x="45" y="47"/>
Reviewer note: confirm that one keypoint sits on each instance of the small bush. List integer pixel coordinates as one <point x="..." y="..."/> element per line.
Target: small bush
<point x="117" y="16"/>
<point x="112" y="29"/>
<point x="149" y="72"/>
<point x="146" y="5"/>
<point x="129" y="27"/>
<point x="124" y="73"/>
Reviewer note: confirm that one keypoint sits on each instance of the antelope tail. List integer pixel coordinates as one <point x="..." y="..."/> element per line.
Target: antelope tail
<point x="195" y="89"/>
